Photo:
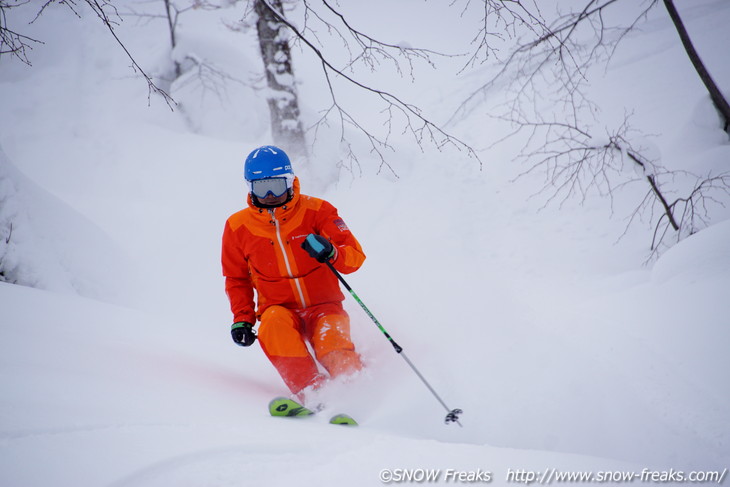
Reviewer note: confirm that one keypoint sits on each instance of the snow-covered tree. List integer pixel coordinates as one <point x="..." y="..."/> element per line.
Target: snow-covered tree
<point x="273" y="37"/>
<point x="8" y="222"/>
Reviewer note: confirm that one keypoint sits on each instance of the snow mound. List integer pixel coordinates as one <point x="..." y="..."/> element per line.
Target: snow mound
<point x="45" y="243"/>
<point x="702" y="256"/>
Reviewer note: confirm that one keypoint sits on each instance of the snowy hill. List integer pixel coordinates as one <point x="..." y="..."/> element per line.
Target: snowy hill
<point x="567" y="352"/>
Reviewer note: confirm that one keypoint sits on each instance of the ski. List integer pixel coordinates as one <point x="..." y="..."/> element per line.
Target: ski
<point x="283" y="406"/>
<point x="289" y="408"/>
<point x="343" y="419"/>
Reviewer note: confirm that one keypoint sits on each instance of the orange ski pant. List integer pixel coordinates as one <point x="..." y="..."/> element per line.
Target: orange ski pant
<point x="283" y="335"/>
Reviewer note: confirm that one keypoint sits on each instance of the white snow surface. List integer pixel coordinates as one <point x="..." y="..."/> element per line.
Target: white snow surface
<point x="563" y="346"/>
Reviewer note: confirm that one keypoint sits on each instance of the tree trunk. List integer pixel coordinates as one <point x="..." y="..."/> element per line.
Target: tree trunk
<point x="171" y="22"/>
<point x="286" y="127"/>
<point x="717" y="97"/>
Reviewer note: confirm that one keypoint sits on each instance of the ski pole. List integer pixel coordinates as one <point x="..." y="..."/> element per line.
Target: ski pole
<point x="452" y="415"/>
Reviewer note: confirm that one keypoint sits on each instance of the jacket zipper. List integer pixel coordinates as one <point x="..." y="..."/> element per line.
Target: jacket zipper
<point x="286" y="258"/>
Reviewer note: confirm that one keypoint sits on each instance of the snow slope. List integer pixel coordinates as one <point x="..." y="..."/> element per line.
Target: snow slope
<point x="117" y="398"/>
<point x="565" y="350"/>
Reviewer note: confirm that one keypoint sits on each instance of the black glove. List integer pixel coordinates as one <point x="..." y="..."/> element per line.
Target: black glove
<point x="243" y="334"/>
<point x="318" y="248"/>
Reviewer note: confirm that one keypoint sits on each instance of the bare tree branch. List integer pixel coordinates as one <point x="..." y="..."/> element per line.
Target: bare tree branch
<point x="718" y="99"/>
<point x="12" y="42"/>
<point x="546" y="78"/>
<point x="416" y="124"/>
<point x="100" y="7"/>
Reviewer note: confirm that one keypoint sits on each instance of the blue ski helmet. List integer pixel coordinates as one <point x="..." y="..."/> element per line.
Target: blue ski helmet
<point x="267" y="162"/>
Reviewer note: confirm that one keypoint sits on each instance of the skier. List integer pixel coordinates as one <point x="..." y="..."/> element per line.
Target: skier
<point x="278" y="247"/>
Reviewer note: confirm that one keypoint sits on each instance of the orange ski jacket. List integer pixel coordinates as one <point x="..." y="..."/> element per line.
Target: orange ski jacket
<point x="262" y="252"/>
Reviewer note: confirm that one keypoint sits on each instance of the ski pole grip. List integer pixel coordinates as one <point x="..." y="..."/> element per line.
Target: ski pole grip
<point x="314" y="244"/>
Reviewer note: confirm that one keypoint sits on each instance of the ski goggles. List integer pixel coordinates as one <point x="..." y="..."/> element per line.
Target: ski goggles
<point x="270" y="186"/>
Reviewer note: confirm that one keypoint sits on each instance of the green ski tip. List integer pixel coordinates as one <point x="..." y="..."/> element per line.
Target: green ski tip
<point x="343" y="419"/>
<point x="283" y="406"/>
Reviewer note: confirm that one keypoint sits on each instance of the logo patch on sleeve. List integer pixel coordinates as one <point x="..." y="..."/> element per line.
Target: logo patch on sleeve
<point x="341" y="225"/>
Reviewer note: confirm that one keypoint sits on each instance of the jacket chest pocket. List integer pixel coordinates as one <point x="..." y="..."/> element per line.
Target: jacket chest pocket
<point x="262" y="258"/>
